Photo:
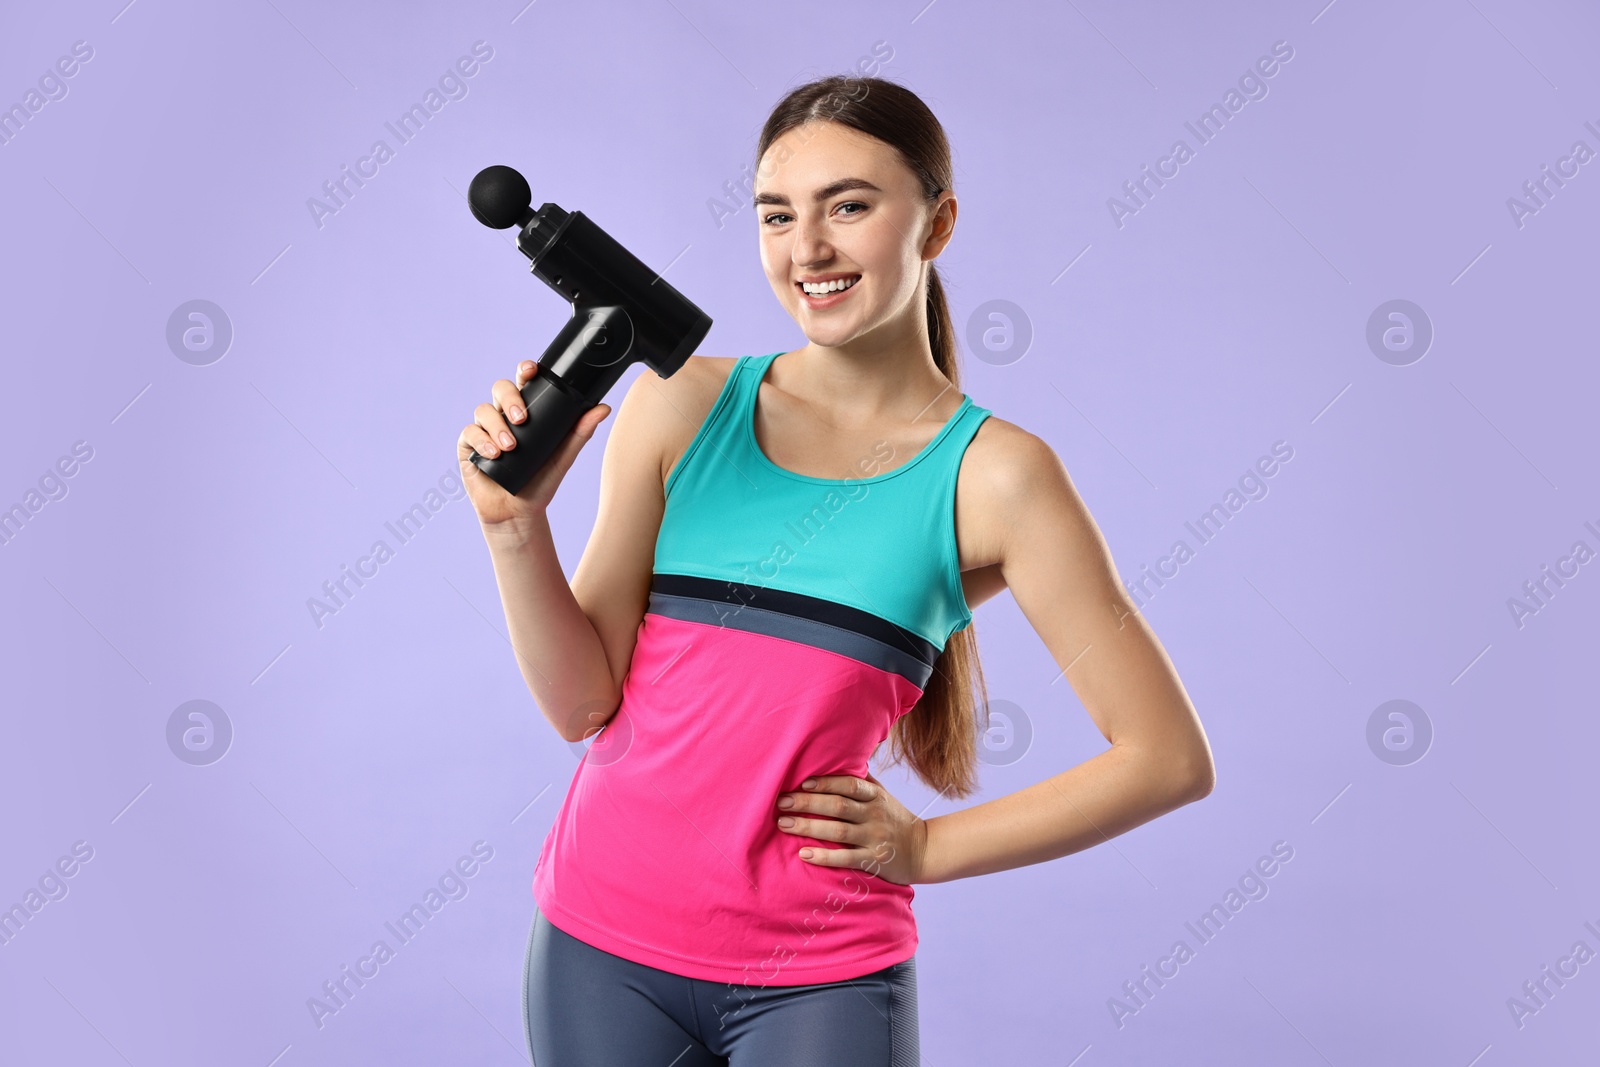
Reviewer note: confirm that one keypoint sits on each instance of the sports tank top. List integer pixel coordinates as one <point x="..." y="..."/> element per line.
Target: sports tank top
<point x="792" y="620"/>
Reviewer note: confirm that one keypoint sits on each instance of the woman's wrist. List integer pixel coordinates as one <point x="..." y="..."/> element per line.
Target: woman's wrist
<point x="517" y="533"/>
<point x="929" y="869"/>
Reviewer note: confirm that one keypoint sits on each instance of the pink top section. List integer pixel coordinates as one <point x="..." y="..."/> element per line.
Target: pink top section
<point x="667" y="851"/>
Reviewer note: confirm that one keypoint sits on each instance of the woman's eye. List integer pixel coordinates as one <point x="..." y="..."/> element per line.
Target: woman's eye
<point x="783" y="217"/>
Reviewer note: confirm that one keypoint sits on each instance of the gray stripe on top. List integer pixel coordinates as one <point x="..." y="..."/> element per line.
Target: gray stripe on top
<point x="792" y="628"/>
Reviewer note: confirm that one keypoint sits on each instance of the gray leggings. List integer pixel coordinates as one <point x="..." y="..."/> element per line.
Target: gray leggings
<point x="584" y="1007"/>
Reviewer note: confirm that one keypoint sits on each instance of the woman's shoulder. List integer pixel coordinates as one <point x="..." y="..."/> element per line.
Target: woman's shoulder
<point x="674" y="407"/>
<point x="1008" y="475"/>
<point x="686" y="394"/>
<point x="694" y="387"/>
<point x="711" y="370"/>
<point x="1006" y="466"/>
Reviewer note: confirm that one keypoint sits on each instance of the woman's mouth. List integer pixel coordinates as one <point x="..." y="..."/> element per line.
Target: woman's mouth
<point x="820" y="295"/>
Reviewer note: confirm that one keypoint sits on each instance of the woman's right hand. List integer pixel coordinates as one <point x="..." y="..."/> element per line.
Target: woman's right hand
<point x="489" y="435"/>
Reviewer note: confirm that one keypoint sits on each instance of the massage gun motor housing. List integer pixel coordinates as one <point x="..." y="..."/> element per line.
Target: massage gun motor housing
<point x="623" y="312"/>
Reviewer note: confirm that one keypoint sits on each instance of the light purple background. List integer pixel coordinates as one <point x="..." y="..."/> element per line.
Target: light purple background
<point x="1229" y="313"/>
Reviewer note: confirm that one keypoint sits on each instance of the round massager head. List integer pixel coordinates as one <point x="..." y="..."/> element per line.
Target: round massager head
<point x="500" y="198"/>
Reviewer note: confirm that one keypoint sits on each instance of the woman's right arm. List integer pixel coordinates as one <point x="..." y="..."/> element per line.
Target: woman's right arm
<point x="573" y="642"/>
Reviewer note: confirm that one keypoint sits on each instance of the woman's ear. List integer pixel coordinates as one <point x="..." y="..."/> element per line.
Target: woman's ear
<point x="942" y="226"/>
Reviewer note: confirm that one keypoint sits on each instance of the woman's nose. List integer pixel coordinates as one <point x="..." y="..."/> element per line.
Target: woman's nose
<point x="810" y="245"/>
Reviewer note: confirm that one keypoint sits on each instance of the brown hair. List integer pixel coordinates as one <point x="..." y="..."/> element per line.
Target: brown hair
<point x="938" y="738"/>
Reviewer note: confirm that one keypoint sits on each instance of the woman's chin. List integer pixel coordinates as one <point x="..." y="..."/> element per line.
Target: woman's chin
<point x="828" y="336"/>
<point x="827" y="330"/>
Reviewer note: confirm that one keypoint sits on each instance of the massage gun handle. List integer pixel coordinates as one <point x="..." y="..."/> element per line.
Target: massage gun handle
<point x="587" y="357"/>
<point x="552" y="413"/>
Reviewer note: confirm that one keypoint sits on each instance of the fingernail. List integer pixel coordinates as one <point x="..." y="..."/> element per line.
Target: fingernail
<point x="786" y="822"/>
<point x="506" y="440"/>
<point x="489" y="449"/>
<point x="809" y="783"/>
<point x="786" y="802"/>
<point x="517" y="413"/>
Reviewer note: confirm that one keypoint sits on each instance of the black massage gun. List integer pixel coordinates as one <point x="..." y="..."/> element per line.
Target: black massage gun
<point x="622" y="312"/>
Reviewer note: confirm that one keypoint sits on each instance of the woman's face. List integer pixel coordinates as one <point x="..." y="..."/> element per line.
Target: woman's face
<point x="832" y="202"/>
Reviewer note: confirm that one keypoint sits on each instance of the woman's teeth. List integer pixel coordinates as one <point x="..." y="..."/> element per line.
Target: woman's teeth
<point x="823" y="288"/>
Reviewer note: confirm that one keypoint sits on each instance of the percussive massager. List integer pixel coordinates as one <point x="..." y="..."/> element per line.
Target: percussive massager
<point x="622" y="312"/>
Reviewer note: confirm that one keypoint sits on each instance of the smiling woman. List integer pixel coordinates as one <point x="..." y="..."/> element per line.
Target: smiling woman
<point x="726" y="881"/>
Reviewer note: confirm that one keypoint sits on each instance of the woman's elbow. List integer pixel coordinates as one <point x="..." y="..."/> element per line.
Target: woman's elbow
<point x="1199" y="775"/>
<point x="588" y="718"/>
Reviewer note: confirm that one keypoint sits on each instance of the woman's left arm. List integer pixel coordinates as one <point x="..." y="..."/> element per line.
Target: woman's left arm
<point x="1058" y="568"/>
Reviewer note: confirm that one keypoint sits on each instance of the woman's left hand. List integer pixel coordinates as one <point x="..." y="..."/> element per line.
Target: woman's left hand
<point x="885" y="838"/>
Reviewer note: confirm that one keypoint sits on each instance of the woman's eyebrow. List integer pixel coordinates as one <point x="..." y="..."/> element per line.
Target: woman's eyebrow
<point x="831" y="189"/>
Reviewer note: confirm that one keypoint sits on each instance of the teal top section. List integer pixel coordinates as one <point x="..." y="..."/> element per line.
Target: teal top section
<point x="882" y="542"/>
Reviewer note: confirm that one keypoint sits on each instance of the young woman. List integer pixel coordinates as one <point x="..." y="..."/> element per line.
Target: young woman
<point x="780" y="577"/>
